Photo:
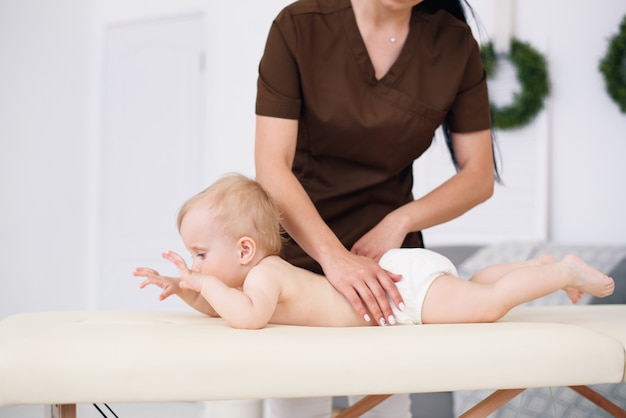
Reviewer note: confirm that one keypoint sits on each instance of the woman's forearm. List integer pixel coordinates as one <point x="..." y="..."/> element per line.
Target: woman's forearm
<point x="470" y="186"/>
<point x="274" y="153"/>
<point x="451" y="199"/>
<point x="300" y="217"/>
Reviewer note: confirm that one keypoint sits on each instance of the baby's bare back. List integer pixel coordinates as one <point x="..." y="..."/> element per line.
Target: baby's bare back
<point x="309" y="299"/>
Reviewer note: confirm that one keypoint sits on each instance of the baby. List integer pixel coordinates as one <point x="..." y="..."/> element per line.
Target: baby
<point x="232" y="230"/>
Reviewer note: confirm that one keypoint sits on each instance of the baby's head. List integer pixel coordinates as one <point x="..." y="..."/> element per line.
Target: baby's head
<point x="243" y="208"/>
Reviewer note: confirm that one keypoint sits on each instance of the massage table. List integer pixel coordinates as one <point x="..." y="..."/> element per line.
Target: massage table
<point x="65" y="358"/>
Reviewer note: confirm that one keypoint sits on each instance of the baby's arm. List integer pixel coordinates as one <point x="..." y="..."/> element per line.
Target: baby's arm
<point x="250" y="308"/>
<point x="170" y="286"/>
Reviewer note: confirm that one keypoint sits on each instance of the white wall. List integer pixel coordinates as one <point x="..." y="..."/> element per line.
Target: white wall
<point x="43" y="124"/>
<point x="50" y="79"/>
<point x="588" y="133"/>
<point x="588" y="203"/>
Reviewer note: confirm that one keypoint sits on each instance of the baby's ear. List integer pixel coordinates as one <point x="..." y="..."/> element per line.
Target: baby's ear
<point x="247" y="249"/>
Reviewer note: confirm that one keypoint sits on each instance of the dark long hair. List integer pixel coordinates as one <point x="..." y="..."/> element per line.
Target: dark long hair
<point x="454" y="7"/>
<point x="457" y="9"/>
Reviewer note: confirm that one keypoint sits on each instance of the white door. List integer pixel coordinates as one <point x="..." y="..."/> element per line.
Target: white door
<point x="151" y="148"/>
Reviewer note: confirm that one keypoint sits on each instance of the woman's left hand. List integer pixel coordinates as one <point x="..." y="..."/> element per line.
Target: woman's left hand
<point x="389" y="233"/>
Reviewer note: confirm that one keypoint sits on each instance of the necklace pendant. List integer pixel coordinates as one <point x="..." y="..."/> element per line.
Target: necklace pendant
<point x="392" y="40"/>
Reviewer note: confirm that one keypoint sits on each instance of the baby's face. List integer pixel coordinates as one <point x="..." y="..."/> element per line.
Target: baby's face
<point x="213" y="252"/>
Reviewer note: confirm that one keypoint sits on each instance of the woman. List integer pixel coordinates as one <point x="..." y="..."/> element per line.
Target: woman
<point x="350" y="93"/>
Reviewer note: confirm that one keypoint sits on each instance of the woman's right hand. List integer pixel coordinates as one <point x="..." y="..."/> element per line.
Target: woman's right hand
<point x="366" y="285"/>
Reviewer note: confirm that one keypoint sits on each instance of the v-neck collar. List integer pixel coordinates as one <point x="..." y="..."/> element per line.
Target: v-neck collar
<point x="359" y="50"/>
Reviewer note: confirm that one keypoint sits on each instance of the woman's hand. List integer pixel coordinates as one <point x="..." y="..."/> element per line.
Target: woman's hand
<point x="388" y="234"/>
<point x="366" y="285"/>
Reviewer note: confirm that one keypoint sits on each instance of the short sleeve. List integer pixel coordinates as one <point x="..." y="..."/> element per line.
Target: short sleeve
<point x="278" y="85"/>
<point x="470" y="110"/>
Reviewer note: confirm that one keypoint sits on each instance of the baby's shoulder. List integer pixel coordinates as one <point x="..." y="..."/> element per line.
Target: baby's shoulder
<point x="273" y="265"/>
<point x="280" y="269"/>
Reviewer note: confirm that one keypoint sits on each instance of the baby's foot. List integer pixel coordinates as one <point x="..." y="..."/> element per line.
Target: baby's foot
<point x="543" y="259"/>
<point x="587" y="279"/>
<point x="574" y="294"/>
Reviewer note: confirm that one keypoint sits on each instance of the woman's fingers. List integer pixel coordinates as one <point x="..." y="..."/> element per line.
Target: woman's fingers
<point x="388" y="282"/>
<point x="369" y="300"/>
<point x="366" y="286"/>
<point x="355" y="300"/>
<point x="376" y="299"/>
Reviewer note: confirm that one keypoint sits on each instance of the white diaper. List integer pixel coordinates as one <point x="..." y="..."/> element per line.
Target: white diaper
<point x="419" y="268"/>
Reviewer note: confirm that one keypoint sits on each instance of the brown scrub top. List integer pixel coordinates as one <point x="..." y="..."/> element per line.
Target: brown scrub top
<point x="358" y="136"/>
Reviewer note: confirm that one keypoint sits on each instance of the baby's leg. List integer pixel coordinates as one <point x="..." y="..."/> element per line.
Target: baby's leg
<point x="494" y="273"/>
<point x="453" y="300"/>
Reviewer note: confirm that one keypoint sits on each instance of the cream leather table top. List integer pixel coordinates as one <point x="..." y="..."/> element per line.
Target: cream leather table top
<point x="85" y="357"/>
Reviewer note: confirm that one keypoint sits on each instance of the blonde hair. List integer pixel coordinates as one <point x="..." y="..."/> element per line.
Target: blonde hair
<point x="243" y="208"/>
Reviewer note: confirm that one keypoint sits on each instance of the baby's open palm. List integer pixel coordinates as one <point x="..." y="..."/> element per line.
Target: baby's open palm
<point x="169" y="285"/>
<point x="188" y="280"/>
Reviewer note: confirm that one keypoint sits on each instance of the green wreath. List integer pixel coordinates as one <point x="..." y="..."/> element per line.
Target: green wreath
<point x="613" y="67"/>
<point x="532" y="75"/>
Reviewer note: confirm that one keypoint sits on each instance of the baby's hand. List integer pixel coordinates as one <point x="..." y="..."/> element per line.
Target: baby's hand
<point x="169" y="285"/>
<point x="179" y="262"/>
<point x="188" y="280"/>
